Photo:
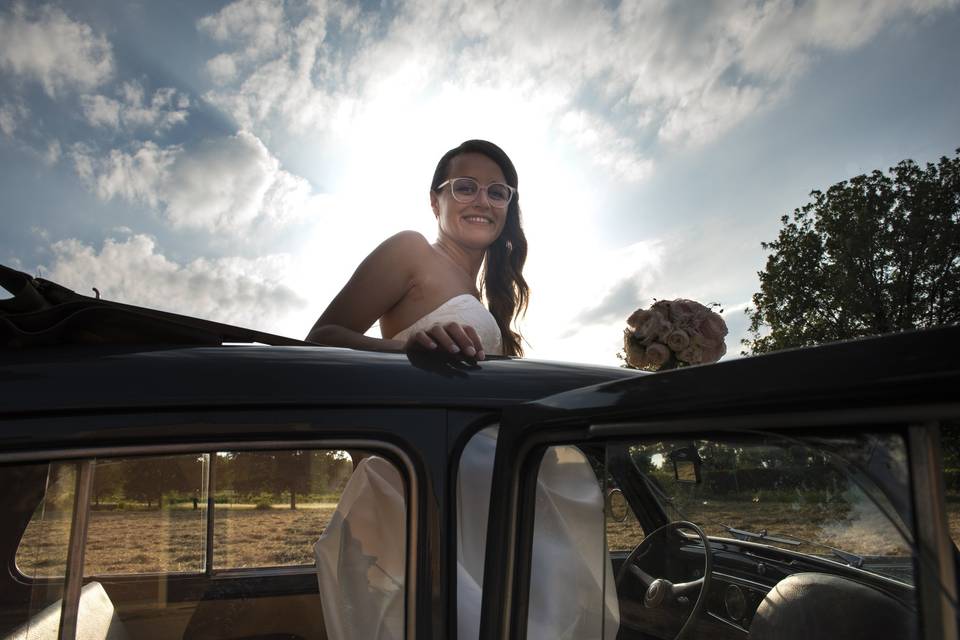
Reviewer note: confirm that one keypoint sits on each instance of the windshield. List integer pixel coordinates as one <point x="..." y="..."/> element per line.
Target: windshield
<point x="798" y="496"/>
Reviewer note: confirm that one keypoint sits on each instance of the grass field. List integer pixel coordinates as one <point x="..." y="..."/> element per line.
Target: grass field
<point x="140" y="541"/>
<point x="861" y="531"/>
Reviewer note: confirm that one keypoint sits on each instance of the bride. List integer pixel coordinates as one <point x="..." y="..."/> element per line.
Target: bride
<point x="426" y="297"/>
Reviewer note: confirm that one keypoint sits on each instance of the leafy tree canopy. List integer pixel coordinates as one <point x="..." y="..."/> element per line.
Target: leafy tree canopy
<point x="874" y="254"/>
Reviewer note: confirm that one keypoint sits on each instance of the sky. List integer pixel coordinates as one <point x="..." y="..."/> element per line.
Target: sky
<point x="236" y="160"/>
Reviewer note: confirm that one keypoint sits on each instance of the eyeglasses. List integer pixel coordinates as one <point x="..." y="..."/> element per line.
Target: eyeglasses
<point x="466" y="190"/>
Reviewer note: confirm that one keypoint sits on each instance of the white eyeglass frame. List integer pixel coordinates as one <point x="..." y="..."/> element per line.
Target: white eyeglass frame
<point x="480" y="188"/>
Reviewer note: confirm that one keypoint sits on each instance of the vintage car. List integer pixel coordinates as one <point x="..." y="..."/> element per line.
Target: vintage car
<point x="164" y="478"/>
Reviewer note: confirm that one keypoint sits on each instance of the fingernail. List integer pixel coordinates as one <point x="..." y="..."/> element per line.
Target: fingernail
<point x="454" y="349"/>
<point x="480" y="355"/>
<point x="470" y="351"/>
<point x="432" y="345"/>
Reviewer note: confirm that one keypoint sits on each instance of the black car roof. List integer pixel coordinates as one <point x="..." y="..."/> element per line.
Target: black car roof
<point x="891" y="371"/>
<point x="109" y="378"/>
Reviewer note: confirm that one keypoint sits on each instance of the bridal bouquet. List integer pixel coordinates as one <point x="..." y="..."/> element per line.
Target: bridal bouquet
<point x="673" y="333"/>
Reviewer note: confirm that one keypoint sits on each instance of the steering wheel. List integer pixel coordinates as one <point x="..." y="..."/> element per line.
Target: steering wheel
<point x="660" y="591"/>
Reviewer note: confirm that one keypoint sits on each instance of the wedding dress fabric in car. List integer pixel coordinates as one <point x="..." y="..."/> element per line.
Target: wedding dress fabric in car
<point x="573" y="594"/>
<point x="360" y="556"/>
<point x="462" y="309"/>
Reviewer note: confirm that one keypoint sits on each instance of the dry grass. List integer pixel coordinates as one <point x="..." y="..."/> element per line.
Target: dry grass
<point x="278" y="537"/>
<point x="146" y="541"/>
<point x="859" y="530"/>
<point x="140" y="541"/>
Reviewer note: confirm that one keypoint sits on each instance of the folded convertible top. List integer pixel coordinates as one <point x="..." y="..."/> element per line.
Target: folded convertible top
<point x="44" y="313"/>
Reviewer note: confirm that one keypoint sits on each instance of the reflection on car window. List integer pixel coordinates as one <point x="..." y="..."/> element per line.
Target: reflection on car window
<point x="43" y="548"/>
<point x="269" y="506"/>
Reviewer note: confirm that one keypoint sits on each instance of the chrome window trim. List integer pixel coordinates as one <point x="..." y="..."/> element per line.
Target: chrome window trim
<point x="86" y="453"/>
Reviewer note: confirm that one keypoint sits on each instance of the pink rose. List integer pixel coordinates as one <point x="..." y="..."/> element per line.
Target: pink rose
<point x="647" y="325"/>
<point x="713" y="352"/>
<point x="712" y="326"/>
<point x="678" y="340"/>
<point x="657" y="354"/>
<point x="691" y="355"/>
<point x="637" y="318"/>
<point x="633" y="350"/>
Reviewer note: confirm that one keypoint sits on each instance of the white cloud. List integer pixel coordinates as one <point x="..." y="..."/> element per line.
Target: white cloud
<point x="259" y="25"/>
<point x="46" y="45"/>
<point x="164" y="110"/>
<point x="222" y="68"/>
<point x="53" y="153"/>
<point x="246" y="292"/>
<point x="599" y="139"/>
<point x="101" y="111"/>
<point x="12" y="116"/>
<point x="222" y="185"/>
<point x="677" y="73"/>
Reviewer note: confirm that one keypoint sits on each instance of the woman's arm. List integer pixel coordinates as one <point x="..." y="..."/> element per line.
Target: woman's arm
<point x="379" y="283"/>
<point x="333" y="335"/>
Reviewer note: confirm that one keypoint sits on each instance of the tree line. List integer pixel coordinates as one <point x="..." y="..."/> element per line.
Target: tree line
<point x="244" y="475"/>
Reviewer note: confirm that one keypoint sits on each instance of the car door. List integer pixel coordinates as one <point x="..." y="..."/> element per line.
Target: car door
<point x="218" y="523"/>
<point x="813" y="479"/>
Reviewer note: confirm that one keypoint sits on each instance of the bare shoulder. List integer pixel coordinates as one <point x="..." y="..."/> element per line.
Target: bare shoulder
<point x="406" y="241"/>
<point x="405" y="249"/>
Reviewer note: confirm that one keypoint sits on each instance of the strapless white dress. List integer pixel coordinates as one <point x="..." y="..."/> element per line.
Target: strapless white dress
<point x="462" y="309"/>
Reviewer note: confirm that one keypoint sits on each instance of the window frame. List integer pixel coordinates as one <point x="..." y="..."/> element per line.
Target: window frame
<point x="504" y="612"/>
<point x="85" y="458"/>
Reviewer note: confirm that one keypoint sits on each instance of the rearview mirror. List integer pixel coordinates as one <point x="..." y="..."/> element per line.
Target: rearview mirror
<point x="617" y="509"/>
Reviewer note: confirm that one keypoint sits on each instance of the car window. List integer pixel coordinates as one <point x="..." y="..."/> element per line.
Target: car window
<point x="950" y="447"/>
<point x="790" y="491"/>
<point x="775" y="511"/>
<point x="307" y="543"/>
<point x="268" y="505"/>
<point x="42" y="552"/>
<point x="44" y="549"/>
<point x="147" y="515"/>
<point x="623" y="529"/>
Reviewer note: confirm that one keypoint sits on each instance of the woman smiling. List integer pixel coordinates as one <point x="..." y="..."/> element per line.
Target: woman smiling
<point x="426" y="296"/>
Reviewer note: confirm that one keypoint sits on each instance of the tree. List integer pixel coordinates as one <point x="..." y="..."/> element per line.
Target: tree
<point x="874" y="254"/>
<point x="107" y="479"/>
<point x="273" y="472"/>
<point x="149" y="479"/>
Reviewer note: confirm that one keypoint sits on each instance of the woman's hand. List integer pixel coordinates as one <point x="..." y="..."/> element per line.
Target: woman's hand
<point x="452" y="337"/>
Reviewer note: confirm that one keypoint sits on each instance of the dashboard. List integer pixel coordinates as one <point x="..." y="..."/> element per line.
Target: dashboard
<point x="744" y="575"/>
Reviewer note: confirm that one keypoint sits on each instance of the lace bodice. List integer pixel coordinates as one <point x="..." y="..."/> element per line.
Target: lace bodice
<point x="464" y="309"/>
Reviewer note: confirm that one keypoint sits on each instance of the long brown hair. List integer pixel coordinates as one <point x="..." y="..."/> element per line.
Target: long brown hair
<point x="502" y="280"/>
